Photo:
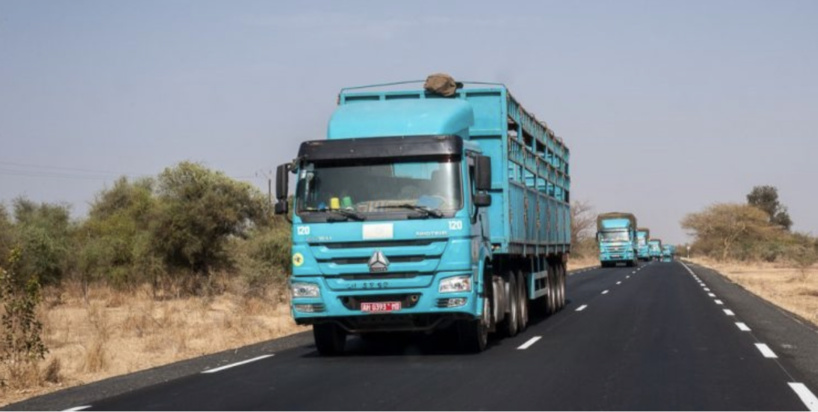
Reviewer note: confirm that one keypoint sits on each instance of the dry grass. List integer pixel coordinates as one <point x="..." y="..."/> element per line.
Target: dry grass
<point x="582" y="263"/>
<point x="102" y="332"/>
<point x="794" y="289"/>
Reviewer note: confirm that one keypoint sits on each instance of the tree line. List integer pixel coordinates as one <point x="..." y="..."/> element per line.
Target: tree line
<point x="182" y="225"/>
<point x="758" y="230"/>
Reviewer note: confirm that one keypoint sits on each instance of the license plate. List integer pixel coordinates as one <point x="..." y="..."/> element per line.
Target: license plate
<point x="375" y="307"/>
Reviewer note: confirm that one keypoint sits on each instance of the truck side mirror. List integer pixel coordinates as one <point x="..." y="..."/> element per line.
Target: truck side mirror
<point x="481" y="199"/>
<point x="482" y="173"/>
<point x="282" y="181"/>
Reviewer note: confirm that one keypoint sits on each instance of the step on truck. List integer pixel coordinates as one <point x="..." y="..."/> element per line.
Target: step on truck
<point x="655" y="249"/>
<point x="442" y="207"/>
<point x="642" y="248"/>
<point x="616" y="236"/>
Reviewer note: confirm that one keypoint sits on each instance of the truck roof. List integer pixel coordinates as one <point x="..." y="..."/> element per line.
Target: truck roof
<point x="613" y="216"/>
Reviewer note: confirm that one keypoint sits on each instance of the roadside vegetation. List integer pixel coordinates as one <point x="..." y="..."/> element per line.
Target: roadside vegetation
<point x="753" y="245"/>
<point x="162" y="269"/>
<point x="584" y="247"/>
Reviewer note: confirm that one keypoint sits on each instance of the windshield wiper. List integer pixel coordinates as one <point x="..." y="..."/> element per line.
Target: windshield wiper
<point x="346" y="216"/>
<point x="425" y="210"/>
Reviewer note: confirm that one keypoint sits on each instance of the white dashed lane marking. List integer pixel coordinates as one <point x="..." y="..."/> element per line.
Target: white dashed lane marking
<point x="766" y="351"/>
<point x="581" y="308"/>
<point x="729" y="312"/>
<point x="232" y="365"/>
<point x="619" y="283"/>
<point x="743" y="327"/>
<point x="806" y="396"/>
<point x="77" y="408"/>
<point x="529" y="342"/>
<point x="711" y="295"/>
<point x="604" y="292"/>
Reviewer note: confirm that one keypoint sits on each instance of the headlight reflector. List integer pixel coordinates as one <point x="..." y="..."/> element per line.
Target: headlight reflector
<point x="305" y="290"/>
<point x="455" y="284"/>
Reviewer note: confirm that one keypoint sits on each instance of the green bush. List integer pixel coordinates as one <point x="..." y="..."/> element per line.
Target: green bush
<point x="21" y="341"/>
<point x="43" y="233"/>
<point x="199" y="210"/>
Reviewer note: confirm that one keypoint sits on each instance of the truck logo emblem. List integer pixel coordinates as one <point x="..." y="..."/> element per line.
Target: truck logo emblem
<point x="378" y="262"/>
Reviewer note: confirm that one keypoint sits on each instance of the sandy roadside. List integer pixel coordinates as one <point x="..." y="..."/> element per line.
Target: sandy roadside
<point x="113" y="333"/>
<point x="793" y="289"/>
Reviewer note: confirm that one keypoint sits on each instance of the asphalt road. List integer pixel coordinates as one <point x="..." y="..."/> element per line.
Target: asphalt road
<point x="659" y="337"/>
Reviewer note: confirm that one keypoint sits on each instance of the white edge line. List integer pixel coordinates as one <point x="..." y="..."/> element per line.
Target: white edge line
<point x="806" y="395"/>
<point x="743" y="326"/>
<point x="581" y="308"/>
<point x="529" y="342"/>
<point x="766" y="351"/>
<point x="221" y="368"/>
<point x="77" y="408"/>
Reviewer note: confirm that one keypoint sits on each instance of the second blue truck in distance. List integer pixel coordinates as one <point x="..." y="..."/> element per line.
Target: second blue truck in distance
<point x="616" y="236"/>
<point x="425" y="209"/>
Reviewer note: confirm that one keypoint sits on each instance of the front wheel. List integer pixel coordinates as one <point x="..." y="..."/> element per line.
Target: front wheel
<point x="330" y="339"/>
<point x="473" y="335"/>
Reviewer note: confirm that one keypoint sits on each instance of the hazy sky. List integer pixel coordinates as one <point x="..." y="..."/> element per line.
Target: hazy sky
<point x="667" y="106"/>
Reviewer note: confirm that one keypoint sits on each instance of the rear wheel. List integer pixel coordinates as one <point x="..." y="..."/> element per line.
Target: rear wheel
<point x="522" y="300"/>
<point x="509" y="324"/>
<point x="330" y="339"/>
<point x="553" y="283"/>
<point x="563" y="276"/>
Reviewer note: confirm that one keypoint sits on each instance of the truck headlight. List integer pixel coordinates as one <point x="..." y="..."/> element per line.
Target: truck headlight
<point x="455" y="284"/>
<point x="305" y="290"/>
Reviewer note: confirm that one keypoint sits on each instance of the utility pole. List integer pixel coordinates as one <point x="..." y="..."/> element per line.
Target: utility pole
<point x="268" y="174"/>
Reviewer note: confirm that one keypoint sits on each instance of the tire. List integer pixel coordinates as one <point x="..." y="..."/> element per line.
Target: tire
<point x="522" y="300"/>
<point x="563" y="275"/>
<point x="473" y="335"/>
<point x="330" y="339"/>
<point x="552" y="288"/>
<point x="508" y="326"/>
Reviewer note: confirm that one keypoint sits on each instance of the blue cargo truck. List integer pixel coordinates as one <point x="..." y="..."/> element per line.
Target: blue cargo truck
<point x="642" y="248"/>
<point x="427" y="209"/>
<point x="616" y="235"/>
<point x="668" y="253"/>
<point x="655" y="249"/>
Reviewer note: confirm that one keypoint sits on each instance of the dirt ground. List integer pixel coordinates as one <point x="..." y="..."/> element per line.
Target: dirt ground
<point x="794" y="289"/>
<point x="106" y="333"/>
<point x="582" y="263"/>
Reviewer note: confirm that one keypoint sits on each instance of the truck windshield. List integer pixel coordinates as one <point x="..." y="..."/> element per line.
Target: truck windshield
<point x="618" y="236"/>
<point x="641" y="241"/>
<point x="380" y="190"/>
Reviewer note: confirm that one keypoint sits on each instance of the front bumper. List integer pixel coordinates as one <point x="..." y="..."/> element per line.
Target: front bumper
<point x="422" y="308"/>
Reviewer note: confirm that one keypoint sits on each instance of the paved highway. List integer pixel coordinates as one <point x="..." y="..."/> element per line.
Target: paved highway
<point x="663" y="336"/>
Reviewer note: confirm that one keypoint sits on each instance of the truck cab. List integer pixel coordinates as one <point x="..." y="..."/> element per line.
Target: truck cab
<point x="655" y="249"/>
<point x="668" y="253"/>
<point x="617" y="239"/>
<point x="642" y="248"/>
